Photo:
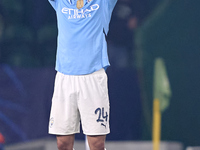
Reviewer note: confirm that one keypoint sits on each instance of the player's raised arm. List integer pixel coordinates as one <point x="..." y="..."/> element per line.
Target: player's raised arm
<point x="112" y="3"/>
<point x="53" y="3"/>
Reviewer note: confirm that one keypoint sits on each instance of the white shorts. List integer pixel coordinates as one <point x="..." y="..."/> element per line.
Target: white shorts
<point x="81" y="97"/>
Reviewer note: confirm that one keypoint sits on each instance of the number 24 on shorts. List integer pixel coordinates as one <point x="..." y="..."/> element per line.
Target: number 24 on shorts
<point x="102" y="115"/>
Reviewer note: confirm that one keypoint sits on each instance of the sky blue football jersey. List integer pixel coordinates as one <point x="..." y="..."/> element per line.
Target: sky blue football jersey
<point x="82" y="47"/>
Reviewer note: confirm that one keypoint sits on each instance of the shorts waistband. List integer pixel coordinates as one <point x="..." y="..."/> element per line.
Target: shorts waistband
<point x="98" y="72"/>
<point x="101" y="71"/>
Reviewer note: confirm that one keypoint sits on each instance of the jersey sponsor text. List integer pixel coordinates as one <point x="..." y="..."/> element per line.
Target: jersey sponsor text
<point x="82" y="13"/>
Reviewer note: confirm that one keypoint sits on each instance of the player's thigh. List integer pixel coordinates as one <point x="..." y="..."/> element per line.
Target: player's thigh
<point x="97" y="141"/>
<point x="64" y="117"/>
<point x="94" y="105"/>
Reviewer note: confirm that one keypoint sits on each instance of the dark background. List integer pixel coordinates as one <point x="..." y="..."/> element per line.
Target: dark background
<point x="140" y="31"/>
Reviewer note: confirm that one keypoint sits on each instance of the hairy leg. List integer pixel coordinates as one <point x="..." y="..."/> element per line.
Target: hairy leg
<point x="96" y="142"/>
<point x="65" y="142"/>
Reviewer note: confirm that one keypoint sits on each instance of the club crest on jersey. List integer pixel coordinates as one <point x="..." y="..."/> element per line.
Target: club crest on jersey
<point x="80" y="13"/>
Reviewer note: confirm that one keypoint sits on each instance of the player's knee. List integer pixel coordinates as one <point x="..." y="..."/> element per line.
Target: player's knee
<point x="64" y="145"/>
<point x="98" y="145"/>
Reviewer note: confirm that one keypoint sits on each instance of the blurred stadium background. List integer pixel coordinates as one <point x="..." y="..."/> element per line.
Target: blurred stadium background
<point x="140" y="32"/>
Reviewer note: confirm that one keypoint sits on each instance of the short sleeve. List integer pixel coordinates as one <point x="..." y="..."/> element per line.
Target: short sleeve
<point x="53" y="3"/>
<point x="112" y="4"/>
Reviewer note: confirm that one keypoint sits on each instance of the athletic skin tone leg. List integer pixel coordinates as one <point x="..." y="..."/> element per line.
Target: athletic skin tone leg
<point x="96" y="142"/>
<point x="65" y="142"/>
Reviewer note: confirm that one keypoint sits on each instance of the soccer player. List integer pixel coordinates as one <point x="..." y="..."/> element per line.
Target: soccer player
<point x="80" y="92"/>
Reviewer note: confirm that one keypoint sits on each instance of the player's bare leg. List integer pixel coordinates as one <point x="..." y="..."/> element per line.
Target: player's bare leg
<point x="96" y="142"/>
<point x="65" y="142"/>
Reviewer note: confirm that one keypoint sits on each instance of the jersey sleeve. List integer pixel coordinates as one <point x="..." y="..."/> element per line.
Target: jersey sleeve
<point x="53" y="3"/>
<point x="112" y="4"/>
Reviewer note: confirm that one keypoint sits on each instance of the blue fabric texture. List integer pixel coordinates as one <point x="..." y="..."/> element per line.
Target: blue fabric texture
<point x="82" y="47"/>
